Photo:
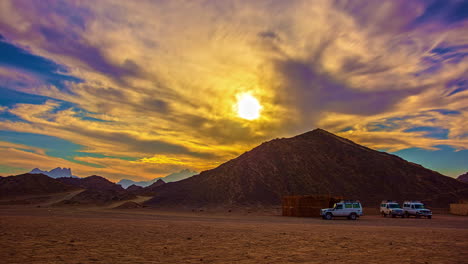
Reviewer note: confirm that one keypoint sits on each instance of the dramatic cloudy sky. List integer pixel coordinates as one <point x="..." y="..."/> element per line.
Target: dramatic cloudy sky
<point x="139" y="89"/>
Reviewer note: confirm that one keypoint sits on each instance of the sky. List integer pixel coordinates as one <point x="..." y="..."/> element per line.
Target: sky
<point x="141" y="89"/>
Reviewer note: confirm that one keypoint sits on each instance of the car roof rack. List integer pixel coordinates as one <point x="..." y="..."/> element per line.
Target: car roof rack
<point x="349" y="201"/>
<point x="412" y="201"/>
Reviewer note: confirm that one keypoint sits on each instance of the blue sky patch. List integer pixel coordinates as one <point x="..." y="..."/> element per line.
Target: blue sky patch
<point x="10" y="98"/>
<point x="54" y="147"/>
<point x="445" y="160"/>
<point x="446" y="112"/>
<point x="446" y="11"/>
<point x="431" y="132"/>
<point x="49" y="71"/>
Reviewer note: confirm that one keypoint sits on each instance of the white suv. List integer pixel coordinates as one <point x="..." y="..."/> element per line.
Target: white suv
<point x="392" y="208"/>
<point x="416" y="208"/>
<point x="351" y="209"/>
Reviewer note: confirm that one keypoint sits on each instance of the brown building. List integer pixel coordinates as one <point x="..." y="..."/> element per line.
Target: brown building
<point x="307" y="205"/>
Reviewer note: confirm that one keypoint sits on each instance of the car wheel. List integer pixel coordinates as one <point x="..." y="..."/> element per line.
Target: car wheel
<point x="418" y="216"/>
<point x="352" y="216"/>
<point x="393" y="216"/>
<point x="407" y="215"/>
<point x="384" y="215"/>
<point x="328" y="216"/>
<point x="429" y="217"/>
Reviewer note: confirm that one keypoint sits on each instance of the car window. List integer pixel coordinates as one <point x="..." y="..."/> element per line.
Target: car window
<point x="348" y="205"/>
<point x="412" y="206"/>
<point x="339" y="206"/>
<point x="356" y="205"/>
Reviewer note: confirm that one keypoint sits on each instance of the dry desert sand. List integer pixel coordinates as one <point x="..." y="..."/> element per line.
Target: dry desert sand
<point x="80" y="235"/>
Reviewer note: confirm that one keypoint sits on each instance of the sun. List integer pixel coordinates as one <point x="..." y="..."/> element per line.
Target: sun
<point x="248" y="106"/>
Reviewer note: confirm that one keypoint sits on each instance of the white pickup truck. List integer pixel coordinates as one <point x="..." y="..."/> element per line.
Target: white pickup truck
<point x="351" y="209"/>
<point x="391" y="208"/>
<point x="416" y="208"/>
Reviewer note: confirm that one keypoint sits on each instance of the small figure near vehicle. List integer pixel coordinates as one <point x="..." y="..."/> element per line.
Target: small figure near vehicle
<point x="392" y="208"/>
<point x="417" y="209"/>
<point x="351" y="209"/>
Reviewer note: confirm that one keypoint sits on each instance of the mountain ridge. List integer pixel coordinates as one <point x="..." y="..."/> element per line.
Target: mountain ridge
<point x="91" y="182"/>
<point x="175" y="176"/>
<point x="316" y="162"/>
<point x="54" y="173"/>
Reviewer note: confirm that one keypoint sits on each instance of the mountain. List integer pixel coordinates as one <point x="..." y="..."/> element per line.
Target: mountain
<point x="98" y="191"/>
<point x="176" y="176"/>
<point x="463" y="178"/>
<point x="156" y="184"/>
<point x="127" y="183"/>
<point x="31" y="184"/>
<point x="151" y="190"/>
<point x="316" y="162"/>
<point x="145" y="191"/>
<point x="55" y="173"/>
<point x="92" y="182"/>
<point x="134" y="188"/>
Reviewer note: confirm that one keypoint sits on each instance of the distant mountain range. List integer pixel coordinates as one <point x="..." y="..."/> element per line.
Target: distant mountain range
<point x="125" y="183"/>
<point x="96" y="190"/>
<point x="316" y="162"/>
<point x="177" y="176"/>
<point x="55" y="173"/>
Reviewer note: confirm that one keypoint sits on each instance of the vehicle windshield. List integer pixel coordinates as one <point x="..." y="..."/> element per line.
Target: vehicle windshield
<point x="419" y="206"/>
<point x="393" y="206"/>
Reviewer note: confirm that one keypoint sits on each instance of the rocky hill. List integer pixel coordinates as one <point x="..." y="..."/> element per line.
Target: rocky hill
<point x="92" y="182"/>
<point x="31" y="184"/>
<point x="99" y="191"/>
<point x="463" y="178"/>
<point x="317" y="162"/>
<point x="150" y="190"/>
<point x="134" y="188"/>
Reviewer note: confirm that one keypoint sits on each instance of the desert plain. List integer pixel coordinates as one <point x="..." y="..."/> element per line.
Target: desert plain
<point x="102" y="235"/>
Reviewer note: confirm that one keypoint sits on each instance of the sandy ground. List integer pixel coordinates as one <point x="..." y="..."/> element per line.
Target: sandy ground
<point x="78" y="235"/>
<point x="139" y="199"/>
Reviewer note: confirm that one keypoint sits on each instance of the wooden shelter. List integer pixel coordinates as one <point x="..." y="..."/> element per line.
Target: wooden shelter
<point x="307" y="205"/>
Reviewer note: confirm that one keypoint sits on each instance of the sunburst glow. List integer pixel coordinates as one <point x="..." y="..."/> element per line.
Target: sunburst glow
<point x="248" y="106"/>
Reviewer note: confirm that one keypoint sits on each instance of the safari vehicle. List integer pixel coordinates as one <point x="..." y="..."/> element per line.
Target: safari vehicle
<point x="392" y="208"/>
<point x="416" y="208"/>
<point x="351" y="209"/>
